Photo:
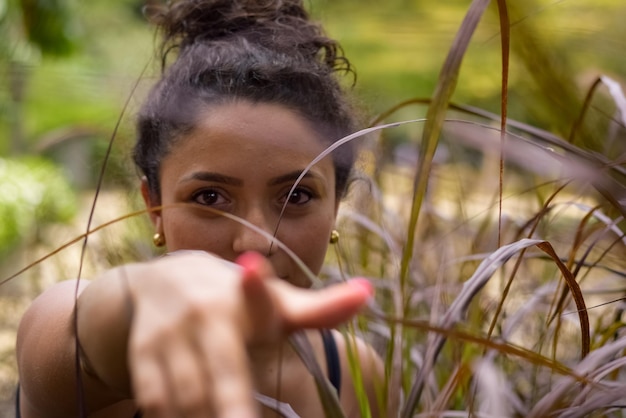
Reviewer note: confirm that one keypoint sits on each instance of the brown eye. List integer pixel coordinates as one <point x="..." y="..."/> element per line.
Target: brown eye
<point x="298" y="197"/>
<point x="209" y="197"/>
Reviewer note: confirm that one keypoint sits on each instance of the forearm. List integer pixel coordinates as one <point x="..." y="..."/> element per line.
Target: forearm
<point x="104" y="315"/>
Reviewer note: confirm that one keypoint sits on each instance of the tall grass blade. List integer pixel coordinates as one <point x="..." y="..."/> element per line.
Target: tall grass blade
<point x="529" y="356"/>
<point x="505" y="40"/>
<point x="533" y="223"/>
<point x="577" y="294"/>
<point x="618" y="96"/>
<point x="284" y="410"/>
<point x="536" y="134"/>
<point x="616" y="92"/>
<point x="607" y="177"/>
<point x="327" y="393"/>
<point x="492" y="389"/>
<point x="583" y="113"/>
<point x="435" y="118"/>
<point x="73" y="241"/>
<point x="602" y="396"/>
<point x="592" y="362"/>
<point x="446" y="85"/>
<point x="471" y="287"/>
<point x="606" y="400"/>
<point x="457" y="310"/>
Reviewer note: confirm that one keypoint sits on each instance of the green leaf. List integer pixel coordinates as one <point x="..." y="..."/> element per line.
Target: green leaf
<point x="50" y="25"/>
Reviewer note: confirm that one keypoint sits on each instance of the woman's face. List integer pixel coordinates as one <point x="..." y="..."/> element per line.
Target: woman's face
<point x="243" y="159"/>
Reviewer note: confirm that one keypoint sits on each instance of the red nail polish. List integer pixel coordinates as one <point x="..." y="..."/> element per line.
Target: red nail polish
<point x="250" y="261"/>
<point x="363" y="284"/>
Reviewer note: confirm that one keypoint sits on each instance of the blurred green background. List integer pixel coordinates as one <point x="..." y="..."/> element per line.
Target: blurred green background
<point x="67" y="68"/>
<point x="73" y="73"/>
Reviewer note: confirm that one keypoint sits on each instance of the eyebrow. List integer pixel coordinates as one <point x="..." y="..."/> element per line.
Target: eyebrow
<point x="291" y="177"/>
<point x="214" y="177"/>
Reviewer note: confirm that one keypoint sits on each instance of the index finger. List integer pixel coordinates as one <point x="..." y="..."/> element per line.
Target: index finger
<point x="324" y="308"/>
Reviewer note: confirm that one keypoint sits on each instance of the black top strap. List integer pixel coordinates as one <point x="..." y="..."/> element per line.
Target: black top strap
<point x="17" y="403"/>
<point x="333" y="365"/>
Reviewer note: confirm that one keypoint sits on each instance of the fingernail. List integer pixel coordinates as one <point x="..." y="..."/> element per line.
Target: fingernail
<point x="250" y="261"/>
<point x="363" y="284"/>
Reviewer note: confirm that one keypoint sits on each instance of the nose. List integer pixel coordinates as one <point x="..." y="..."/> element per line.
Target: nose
<point x="255" y="233"/>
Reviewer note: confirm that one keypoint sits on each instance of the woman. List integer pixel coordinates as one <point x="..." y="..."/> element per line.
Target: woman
<point x="249" y="101"/>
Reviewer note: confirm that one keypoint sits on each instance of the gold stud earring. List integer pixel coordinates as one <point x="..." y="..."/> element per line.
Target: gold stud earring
<point x="334" y="236"/>
<point x="158" y="240"/>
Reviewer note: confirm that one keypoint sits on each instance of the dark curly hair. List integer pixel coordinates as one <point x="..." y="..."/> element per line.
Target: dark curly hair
<point x="266" y="51"/>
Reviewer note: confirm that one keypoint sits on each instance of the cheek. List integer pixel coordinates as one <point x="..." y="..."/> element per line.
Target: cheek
<point x="309" y="240"/>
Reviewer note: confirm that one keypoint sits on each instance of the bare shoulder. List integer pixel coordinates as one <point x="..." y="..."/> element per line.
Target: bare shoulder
<point x="56" y="296"/>
<point x="368" y="378"/>
<point x="48" y="313"/>
<point x="46" y="317"/>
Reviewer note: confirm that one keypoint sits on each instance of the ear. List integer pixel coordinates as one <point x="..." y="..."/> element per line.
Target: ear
<point x="151" y="202"/>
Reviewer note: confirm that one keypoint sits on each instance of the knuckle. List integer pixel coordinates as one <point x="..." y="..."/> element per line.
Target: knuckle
<point x="147" y="343"/>
<point x="196" y="310"/>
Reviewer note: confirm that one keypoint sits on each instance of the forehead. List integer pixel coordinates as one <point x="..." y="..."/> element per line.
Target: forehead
<point x="249" y="136"/>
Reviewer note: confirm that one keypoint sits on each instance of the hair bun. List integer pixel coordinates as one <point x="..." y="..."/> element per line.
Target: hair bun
<point x="191" y="20"/>
<point x="282" y="24"/>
